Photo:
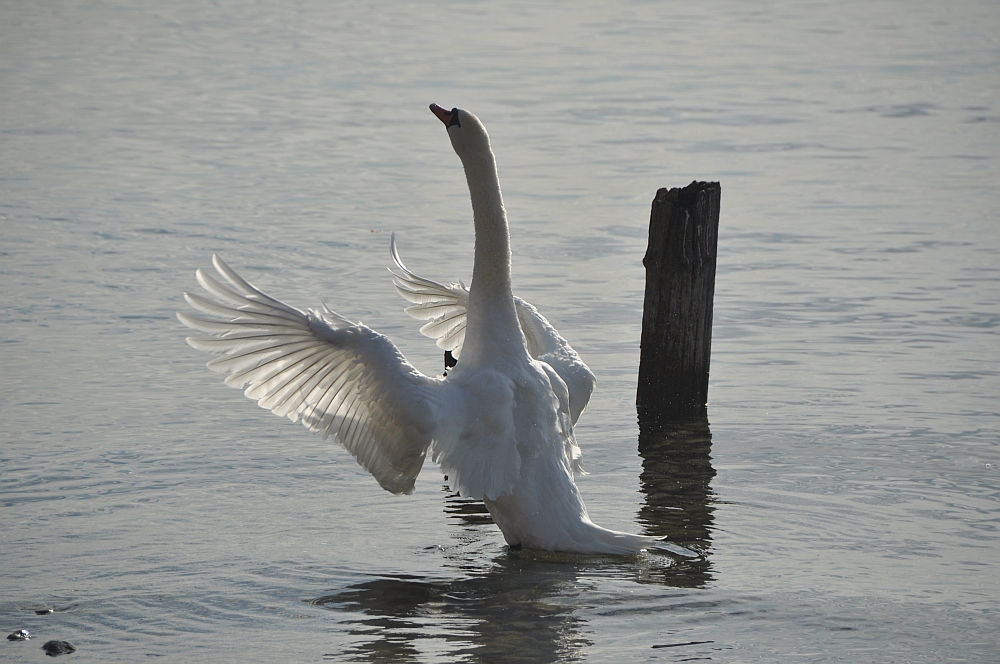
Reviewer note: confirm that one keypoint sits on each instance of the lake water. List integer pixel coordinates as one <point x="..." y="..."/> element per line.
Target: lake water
<point x="846" y="496"/>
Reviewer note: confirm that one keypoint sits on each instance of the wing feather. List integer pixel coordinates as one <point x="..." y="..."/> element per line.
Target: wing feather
<point x="238" y="379"/>
<point x="211" y="326"/>
<point x="247" y="302"/>
<point x="283" y="373"/>
<point x="313" y="389"/>
<point x="340" y="378"/>
<point x="281" y="399"/>
<point x="443" y="306"/>
<point x="443" y="325"/>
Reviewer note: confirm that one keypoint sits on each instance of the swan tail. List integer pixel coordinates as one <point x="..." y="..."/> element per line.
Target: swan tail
<point x="619" y="543"/>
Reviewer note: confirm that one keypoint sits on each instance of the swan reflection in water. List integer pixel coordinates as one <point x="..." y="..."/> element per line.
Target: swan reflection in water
<point x="513" y="612"/>
<point x="522" y="606"/>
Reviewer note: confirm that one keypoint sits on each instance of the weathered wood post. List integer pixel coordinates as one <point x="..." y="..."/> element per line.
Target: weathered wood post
<point x="677" y="310"/>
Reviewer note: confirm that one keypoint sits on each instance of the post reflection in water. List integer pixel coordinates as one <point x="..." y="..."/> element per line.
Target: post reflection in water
<point x="520" y="605"/>
<point x="676" y="480"/>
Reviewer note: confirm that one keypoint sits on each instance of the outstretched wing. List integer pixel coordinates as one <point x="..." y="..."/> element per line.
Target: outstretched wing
<point x="444" y="307"/>
<point x="342" y="379"/>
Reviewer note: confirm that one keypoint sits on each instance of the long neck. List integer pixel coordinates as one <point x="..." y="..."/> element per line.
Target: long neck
<point x="492" y="327"/>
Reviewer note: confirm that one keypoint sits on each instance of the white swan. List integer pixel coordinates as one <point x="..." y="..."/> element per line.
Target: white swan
<point x="500" y="424"/>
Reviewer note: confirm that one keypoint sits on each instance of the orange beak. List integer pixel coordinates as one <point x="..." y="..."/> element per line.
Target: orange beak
<point x="449" y="118"/>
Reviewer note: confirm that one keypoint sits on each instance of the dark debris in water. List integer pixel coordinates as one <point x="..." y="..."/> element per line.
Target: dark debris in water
<point x="678" y="645"/>
<point x="56" y="648"/>
<point x="53" y="609"/>
<point x="466" y="510"/>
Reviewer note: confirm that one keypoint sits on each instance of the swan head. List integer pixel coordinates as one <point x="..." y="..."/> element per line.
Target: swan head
<point x="468" y="135"/>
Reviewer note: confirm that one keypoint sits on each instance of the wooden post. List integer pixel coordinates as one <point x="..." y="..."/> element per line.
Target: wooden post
<point x="677" y="310"/>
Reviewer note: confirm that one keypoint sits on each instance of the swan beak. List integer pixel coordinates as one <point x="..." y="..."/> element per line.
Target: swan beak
<point x="449" y="118"/>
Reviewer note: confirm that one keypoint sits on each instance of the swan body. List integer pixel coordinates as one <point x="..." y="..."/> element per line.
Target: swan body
<point x="500" y="424"/>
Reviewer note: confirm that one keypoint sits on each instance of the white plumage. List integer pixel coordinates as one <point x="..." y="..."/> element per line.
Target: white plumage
<point x="500" y="424"/>
<point x="445" y="307"/>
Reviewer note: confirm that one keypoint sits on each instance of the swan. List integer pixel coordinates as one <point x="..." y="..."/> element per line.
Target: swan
<point x="499" y="424"/>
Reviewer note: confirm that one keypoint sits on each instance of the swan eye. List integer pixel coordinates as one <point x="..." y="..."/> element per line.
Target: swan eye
<point x="454" y="122"/>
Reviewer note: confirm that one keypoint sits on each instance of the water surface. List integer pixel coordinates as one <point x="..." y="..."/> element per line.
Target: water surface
<point x="845" y="494"/>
